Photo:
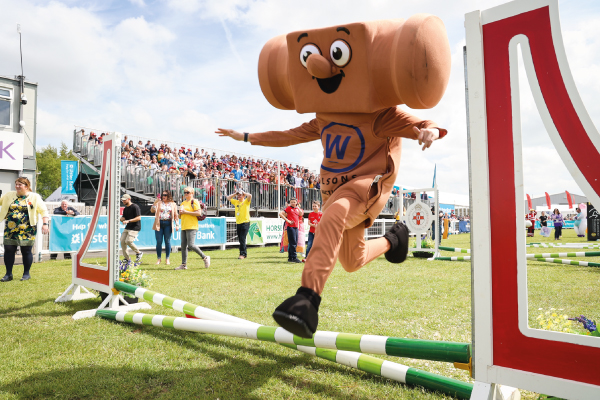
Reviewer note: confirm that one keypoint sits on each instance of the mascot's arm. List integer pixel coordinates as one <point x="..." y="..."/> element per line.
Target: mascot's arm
<point x="306" y="132"/>
<point x="396" y="122"/>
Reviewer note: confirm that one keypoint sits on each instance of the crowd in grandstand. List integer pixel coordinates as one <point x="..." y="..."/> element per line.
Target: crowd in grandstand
<point x="200" y="164"/>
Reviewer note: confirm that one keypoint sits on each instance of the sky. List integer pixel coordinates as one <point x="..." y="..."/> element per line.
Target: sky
<point x="178" y="69"/>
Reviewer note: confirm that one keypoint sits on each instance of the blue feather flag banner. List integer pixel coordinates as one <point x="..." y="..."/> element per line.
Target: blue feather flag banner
<point x="434" y="171"/>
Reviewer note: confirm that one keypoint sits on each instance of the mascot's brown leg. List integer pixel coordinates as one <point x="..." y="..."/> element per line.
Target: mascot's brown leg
<point x="299" y="314"/>
<point x="344" y="218"/>
<point x="355" y="252"/>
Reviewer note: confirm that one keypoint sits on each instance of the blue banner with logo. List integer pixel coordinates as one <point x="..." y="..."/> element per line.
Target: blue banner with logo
<point x="446" y="208"/>
<point x="566" y="224"/>
<point x="68" y="173"/>
<point x="68" y="233"/>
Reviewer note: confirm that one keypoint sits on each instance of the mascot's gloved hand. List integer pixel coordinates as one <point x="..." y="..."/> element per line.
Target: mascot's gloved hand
<point x="398" y="238"/>
<point x="299" y="313"/>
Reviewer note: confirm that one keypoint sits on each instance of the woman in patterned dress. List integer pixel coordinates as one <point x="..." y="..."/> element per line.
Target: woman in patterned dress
<point x="20" y="209"/>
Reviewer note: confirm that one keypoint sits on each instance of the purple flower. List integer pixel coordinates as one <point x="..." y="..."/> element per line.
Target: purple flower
<point x="587" y="323"/>
<point x="124" y="265"/>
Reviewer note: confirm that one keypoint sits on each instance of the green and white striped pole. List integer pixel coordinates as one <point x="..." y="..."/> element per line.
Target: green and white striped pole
<point x="433" y="350"/>
<point x="568" y="262"/>
<point x="572" y="254"/>
<point x="541" y="256"/>
<point x="178" y="305"/>
<point x="394" y="371"/>
<point x="565" y="245"/>
<point x="455" y="249"/>
<point x="387" y="369"/>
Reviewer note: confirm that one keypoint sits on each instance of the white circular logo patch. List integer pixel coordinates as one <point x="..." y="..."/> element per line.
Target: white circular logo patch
<point x="418" y="217"/>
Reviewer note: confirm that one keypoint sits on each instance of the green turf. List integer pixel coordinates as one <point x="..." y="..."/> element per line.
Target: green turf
<point x="46" y="354"/>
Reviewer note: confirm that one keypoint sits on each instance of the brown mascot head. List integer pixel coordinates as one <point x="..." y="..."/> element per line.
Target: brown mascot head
<point x="357" y="68"/>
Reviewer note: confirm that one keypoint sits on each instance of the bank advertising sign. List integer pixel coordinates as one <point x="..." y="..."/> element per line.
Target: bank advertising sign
<point x="68" y="173"/>
<point x="67" y="233"/>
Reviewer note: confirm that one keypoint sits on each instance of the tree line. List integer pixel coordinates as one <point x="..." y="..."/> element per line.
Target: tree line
<point x="48" y="167"/>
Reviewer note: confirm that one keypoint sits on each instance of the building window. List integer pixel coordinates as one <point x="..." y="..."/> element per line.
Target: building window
<point x="5" y="100"/>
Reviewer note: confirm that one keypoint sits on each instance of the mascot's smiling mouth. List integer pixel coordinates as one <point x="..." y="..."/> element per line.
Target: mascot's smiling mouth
<point x="330" y="85"/>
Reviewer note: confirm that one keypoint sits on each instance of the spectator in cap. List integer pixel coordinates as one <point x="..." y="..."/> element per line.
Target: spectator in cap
<point x="189" y="212"/>
<point x="241" y="202"/>
<point x="131" y="218"/>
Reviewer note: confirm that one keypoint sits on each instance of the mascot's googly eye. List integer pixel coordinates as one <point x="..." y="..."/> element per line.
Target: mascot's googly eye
<point x="340" y="53"/>
<point x="306" y="51"/>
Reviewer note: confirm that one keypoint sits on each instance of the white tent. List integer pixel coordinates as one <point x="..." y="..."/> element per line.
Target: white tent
<point x="58" y="196"/>
<point x="563" y="208"/>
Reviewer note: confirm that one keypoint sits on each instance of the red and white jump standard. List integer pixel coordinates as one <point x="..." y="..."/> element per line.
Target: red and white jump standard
<point x="506" y="350"/>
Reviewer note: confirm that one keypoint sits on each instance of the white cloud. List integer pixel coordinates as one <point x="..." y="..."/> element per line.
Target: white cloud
<point x="186" y="6"/>
<point x="194" y="122"/>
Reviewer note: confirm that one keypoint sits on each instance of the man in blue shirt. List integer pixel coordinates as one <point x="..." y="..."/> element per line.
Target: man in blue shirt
<point x="237" y="172"/>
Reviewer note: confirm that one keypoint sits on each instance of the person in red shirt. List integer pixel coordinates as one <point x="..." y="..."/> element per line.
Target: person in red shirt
<point x="531" y="217"/>
<point x="313" y="219"/>
<point x="292" y="215"/>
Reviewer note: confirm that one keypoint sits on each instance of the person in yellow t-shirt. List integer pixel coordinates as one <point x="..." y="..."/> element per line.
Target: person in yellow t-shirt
<point x="241" y="203"/>
<point x="189" y="212"/>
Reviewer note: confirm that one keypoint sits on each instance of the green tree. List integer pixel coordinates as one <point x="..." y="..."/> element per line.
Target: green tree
<point x="48" y="168"/>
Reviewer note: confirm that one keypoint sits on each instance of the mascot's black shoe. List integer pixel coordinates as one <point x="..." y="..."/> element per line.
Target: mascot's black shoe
<point x="6" y="278"/>
<point x="398" y="238"/>
<point x="299" y="314"/>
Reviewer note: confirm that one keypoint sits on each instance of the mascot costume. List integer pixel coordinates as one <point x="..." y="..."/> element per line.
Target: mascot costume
<point x="353" y="77"/>
<point x="580" y="223"/>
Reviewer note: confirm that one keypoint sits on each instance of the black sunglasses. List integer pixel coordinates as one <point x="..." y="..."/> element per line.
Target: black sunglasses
<point x="186" y="192"/>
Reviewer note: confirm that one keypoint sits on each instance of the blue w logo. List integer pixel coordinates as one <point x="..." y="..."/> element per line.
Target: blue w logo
<point x="329" y="145"/>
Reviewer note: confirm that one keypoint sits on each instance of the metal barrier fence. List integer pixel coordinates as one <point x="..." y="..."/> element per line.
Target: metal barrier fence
<point x="205" y="190"/>
<point x="379" y="227"/>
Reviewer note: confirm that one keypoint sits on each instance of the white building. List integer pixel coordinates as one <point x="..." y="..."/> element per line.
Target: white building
<point x="17" y="143"/>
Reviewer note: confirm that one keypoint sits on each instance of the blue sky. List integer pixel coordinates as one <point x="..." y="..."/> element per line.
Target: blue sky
<point x="178" y="69"/>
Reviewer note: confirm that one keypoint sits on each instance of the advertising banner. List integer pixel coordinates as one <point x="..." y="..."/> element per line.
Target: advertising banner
<point x="255" y="235"/>
<point x="593" y="223"/>
<point x="566" y="224"/>
<point x="68" y="173"/>
<point x="446" y="208"/>
<point x="11" y="150"/>
<point x="272" y="230"/>
<point x="67" y="233"/>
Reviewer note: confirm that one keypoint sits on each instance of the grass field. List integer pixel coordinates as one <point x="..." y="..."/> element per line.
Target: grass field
<point x="46" y="354"/>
